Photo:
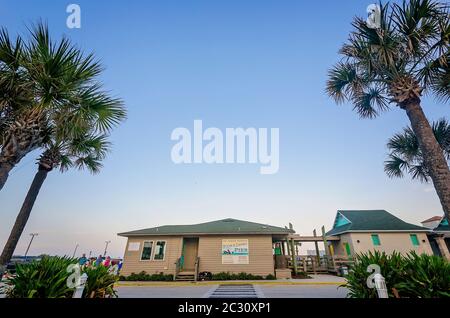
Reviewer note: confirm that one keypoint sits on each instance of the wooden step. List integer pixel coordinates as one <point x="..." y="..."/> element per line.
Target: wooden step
<point x="185" y="276"/>
<point x="185" y="279"/>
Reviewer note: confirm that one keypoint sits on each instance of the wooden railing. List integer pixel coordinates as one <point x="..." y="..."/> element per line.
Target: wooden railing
<point x="197" y="265"/>
<point x="336" y="261"/>
<point x="313" y="264"/>
<point x="177" y="268"/>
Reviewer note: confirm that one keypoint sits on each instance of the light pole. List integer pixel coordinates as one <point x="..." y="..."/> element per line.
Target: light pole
<point x="75" y="250"/>
<point x="29" y="244"/>
<point x="106" y="247"/>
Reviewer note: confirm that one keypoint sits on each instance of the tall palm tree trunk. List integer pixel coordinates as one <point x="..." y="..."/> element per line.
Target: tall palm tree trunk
<point x="22" y="217"/>
<point x="5" y="168"/>
<point x="432" y="153"/>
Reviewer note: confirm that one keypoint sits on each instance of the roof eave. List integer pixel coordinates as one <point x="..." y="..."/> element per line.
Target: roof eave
<point x="378" y="231"/>
<point x="200" y="233"/>
<point x="381" y="231"/>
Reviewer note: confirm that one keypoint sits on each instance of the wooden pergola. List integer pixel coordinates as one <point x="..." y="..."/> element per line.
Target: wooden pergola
<point x="291" y="243"/>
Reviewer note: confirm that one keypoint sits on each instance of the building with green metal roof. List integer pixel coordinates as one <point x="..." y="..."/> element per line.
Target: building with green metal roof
<point x="227" y="245"/>
<point x="440" y="236"/>
<point x="225" y="226"/>
<point x="361" y="231"/>
<point x="443" y="227"/>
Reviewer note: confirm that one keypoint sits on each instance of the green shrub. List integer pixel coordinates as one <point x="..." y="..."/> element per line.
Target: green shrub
<point x="239" y="276"/>
<point x="270" y="277"/>
<point x="100" y="283"/>
<point x="391" y="267"/>
<point x="301" y="275"/>
<point x="47" y="278"/>
<point x="411" y="275"/>
<point x="143" y="276"/>
<point x="41" y="279"/>
<point x="427" y="277"/>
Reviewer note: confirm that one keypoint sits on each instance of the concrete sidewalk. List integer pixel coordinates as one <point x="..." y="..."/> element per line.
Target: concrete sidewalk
<point x="319" y="286"/>
<point x="201" y="291"/>
<point x="314" y="280"/>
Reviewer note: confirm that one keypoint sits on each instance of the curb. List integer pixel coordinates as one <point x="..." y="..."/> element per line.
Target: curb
<point x="209" y="283"/>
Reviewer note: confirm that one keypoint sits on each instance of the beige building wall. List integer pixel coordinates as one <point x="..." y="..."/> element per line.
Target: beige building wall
<point x="338" y="246"/>
<point x="259" y="250"/>
<point x="132" y="262"/>
<point x="390" y="242"/>
<point x="210" y="252"/>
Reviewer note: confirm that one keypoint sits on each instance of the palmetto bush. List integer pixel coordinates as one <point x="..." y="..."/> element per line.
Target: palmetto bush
<point x="100" y="283"/>
<point x="41" y="279"/>
<point x="391" y="267"/>
<point x="413" y="275"/>
<point x="47" y="278"/>
<point x="428" y="277"/>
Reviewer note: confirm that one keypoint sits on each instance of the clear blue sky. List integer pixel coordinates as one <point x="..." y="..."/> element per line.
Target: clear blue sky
<point x="232" y="64"/>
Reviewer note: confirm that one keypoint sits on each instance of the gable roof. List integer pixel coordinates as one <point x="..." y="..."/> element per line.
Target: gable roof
<point x="370" y="221"/>
<point x="432" y="219"/>
<point x="443" y="226"/>
<point x="225" y="226"/>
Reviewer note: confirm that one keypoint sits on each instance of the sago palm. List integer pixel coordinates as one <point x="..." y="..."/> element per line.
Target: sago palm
<point x="398" y="62"/>
<point x="405" y="155"/>
<point x="44" y="84"/>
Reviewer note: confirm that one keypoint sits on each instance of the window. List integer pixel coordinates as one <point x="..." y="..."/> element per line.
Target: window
<point x="376" y="240"/>
<point x="147" y="251"/>
<point x="160" y="249"/>
<point x="414" y="239"/>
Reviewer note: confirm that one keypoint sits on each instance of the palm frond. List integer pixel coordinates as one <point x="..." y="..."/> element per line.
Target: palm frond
<point x="405" y="144"/>
<point x="343" y="82"/>
<point x="412" y="42"/>
<point x="441" y="129"/>
<point x="405" y="155"/>
<point x="395" y="166"/>
<point x="369" y="103"/>
<point x="440" y="84"/>
<point x="90" y="163"/>
<point x="59" y="80"/>
<point x="419" y="172"/>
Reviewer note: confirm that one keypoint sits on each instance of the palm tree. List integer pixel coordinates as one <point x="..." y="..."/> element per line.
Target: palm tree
<point x="406" y="157"/>
<point x="396" y="63"/>
<point x="44" y="84"/>
<point x="16" y="93"/>
<point x="84" y="151"/>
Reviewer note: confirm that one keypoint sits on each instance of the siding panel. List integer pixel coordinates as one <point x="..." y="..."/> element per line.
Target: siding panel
<point x="210" y="253"/>
<point x="260" y="255"/>
<point x="132" y="259"/>
<point x="390" y="242"/>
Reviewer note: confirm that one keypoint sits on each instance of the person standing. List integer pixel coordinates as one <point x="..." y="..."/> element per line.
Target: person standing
<point x="99" y="260"/>
<point x="107" y="262"/>
<point x="82" y="260"/>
